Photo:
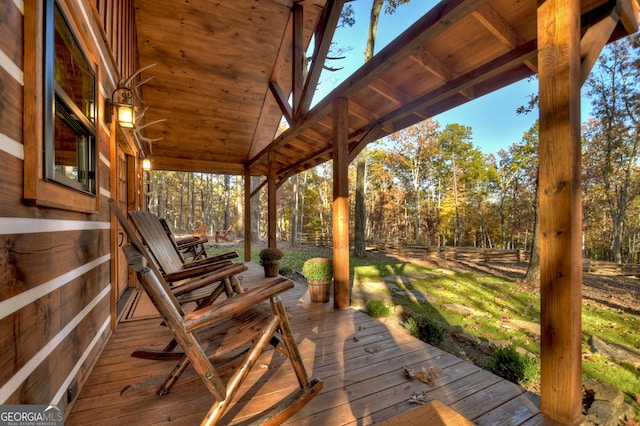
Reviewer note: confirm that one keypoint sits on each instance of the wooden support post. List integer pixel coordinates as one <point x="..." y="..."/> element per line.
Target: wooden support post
<point x="247" y="215"/>
<point x="341" y="290"/>
<point x="298" y="66"/>
<point x="272" y="214"/>
<point x="560" y="210"/>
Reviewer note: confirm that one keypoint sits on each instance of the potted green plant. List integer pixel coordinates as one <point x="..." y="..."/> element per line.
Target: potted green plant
<point x="319" y="273"/>
<point x="270" y="260"/>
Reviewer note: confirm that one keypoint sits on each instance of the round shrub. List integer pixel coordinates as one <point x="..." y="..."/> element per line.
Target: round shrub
<point x="270" y="253"/>
<point x="411" y="324"/>
<point x="507" y="363"/>
<point x="377" y="309"/>
<point x="426" y="330"/>
<point x="285" y="270"/>
<point x="318" y="269"/>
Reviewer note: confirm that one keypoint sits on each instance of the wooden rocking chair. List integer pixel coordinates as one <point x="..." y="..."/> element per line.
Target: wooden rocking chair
<point x="185" y="277"/>
<point x="237" y="330"/>
<point x="187" y="247"/>
<point x="221" y="235"/>
<point x="201" y="281"/>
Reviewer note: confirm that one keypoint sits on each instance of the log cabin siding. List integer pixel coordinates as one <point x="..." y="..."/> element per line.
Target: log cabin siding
<point x="10" y="102"/>
<point x="56" y="264"/>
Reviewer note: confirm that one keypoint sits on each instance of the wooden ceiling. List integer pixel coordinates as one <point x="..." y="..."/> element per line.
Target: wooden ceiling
<point x="215" y="61"/>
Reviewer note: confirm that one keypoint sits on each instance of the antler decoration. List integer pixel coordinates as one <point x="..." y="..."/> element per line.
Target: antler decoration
<point x="134" y="89"/>
<point x="139" y="138"/>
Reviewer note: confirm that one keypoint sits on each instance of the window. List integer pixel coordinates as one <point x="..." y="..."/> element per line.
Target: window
<point x="70" y="93"/>
<point x="60" y="99"/>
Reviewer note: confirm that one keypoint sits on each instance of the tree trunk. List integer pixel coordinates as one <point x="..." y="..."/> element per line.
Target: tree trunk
<point x="533" y="271"/>
<point x="255" y="210"/>
<point x="192" y="201"/>
<point x="376" y="7"/>
<point x="294" y="212"/>
<point x="227" y="202"/>
<point x="458" y="227"/>
<point x="359" y="248"/>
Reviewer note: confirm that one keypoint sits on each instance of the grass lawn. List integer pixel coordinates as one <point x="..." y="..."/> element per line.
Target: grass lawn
<point x="498" y="310"/>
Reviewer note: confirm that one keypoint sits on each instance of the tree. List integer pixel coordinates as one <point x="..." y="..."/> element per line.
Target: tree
<point x="526" y="152"/>
<point x="516" y="172"/>
<point x="412" y="154"/>
<point x="464" y="170"/>
<point x="612" y="140"/>
<point x="361" y="160"/>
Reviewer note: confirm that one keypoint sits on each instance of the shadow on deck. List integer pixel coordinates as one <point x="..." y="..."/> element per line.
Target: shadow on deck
<point x="359" y="359"/>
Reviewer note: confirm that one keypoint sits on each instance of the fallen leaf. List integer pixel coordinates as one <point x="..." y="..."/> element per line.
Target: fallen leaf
<point x="425" y="377"/>
<point x="372" y="350"/>
<point x="409" y="372"/>
<point x="419" y="398"/>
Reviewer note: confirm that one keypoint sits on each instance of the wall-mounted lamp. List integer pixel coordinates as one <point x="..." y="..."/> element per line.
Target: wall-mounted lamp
<point x="125" y="108"/>
<point x="146" y="164"/>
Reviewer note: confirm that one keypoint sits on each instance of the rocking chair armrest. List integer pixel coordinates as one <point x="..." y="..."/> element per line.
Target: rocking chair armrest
<point x="212" y="259"/>
<point x="192" y="242"/>
<point x="202" y="280"/>
<point x="185" y="240"/>
<point x="227" y="308"/>
<point x="196" y="271"/>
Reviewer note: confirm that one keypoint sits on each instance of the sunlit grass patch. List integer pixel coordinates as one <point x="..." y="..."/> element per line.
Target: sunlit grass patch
<point x="497" y="309"/>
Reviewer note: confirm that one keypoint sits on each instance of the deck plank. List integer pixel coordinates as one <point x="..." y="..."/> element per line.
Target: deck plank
<point x="359" y="359"/>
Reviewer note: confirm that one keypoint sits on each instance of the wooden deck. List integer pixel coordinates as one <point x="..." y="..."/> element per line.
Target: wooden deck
<point x="359" y="359"/>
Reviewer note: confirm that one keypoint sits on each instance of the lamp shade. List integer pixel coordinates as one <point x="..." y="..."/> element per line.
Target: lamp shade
<point x="146" y="164"/>
<point x="126" y="115"/>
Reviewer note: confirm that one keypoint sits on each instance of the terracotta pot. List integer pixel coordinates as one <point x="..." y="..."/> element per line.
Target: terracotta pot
<point x="271" y="268"/>
<point x="319" y="291"/>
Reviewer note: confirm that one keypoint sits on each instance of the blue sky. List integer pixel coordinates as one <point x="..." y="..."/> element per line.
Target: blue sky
<point x="493" y="117"/>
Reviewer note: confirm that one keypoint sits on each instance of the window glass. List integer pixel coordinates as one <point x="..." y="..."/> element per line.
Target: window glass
<point x="70" y="139"/>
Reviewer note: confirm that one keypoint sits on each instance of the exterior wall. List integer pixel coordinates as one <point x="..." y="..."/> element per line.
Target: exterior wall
<point x="56" y="298"/>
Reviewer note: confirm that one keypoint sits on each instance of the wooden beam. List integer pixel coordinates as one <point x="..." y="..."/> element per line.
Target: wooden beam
<point x="629" y="10"/>
<point x="388" y="91"/>
<point x="323" y="35"/>
<point x="493" y="21"/>
<point x="298" y="69"/>
<point x="281" y="100"/>
<point x="467" y="81"/>
<point x="341" y="290"/>
<point x="594" y="41"/>
<point x="258" y="188"/>
<point x="436" y="21"/>
<point x="281" y="57"/>
<point x="369" y="135"/>
<point x="560" y="210"/>
<point x="431" y="64"/>
<point x="193" y="165"/>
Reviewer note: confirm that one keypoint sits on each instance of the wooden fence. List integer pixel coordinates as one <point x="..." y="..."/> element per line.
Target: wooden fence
<point x="597" y="267"/>
<point x="474" y="254"/>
